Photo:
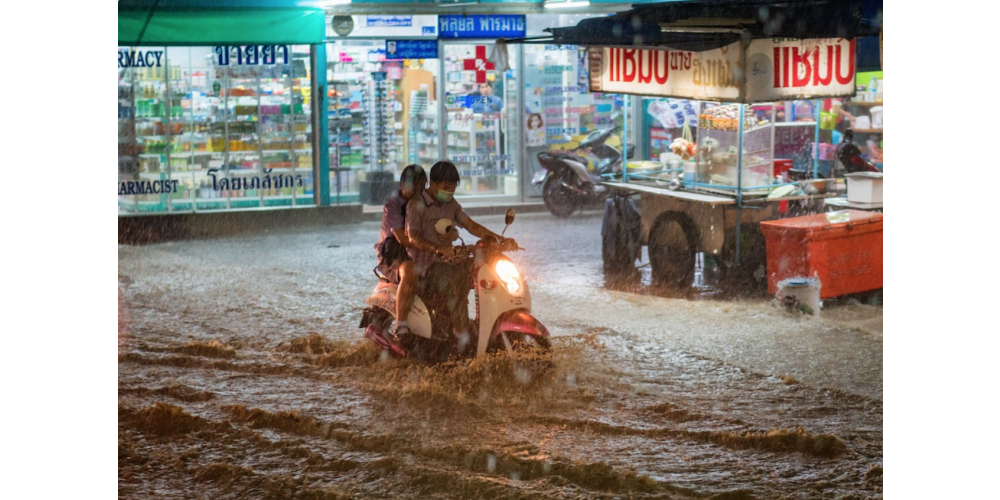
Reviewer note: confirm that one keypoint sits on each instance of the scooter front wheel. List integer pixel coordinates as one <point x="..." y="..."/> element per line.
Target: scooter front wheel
<point x="518" y="342"/>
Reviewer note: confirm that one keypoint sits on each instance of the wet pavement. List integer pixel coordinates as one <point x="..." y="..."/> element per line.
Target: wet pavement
<point x="242" y="373"/>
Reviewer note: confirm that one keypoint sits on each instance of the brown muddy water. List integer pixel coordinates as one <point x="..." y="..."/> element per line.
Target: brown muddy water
<point x="242" y="375"/>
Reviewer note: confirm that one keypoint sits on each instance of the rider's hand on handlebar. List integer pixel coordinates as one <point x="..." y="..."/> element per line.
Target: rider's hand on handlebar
<point x="445" y="251"/>
<point x="509" y="245"/>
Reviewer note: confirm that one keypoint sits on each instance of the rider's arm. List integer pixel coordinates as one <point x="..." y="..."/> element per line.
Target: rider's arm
<point x="392" y="216"/>
<point x="401" y="237"/>
<point x="473" y="227"/>
<point x="414" y="219"/>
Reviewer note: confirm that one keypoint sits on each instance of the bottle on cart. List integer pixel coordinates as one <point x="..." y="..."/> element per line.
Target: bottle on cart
<point x="872" y="89"/>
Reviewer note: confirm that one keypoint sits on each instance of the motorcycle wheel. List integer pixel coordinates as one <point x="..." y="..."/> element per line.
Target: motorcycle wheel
<point x="560" y="200"/>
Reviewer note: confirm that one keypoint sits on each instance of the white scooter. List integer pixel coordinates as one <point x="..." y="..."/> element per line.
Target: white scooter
<point x="503" y="308"/>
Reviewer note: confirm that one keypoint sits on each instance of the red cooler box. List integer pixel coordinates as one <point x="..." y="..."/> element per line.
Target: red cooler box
<point x="843" y="248"/>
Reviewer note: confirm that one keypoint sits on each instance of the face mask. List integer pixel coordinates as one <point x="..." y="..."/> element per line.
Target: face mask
<point x="444" y="196"/>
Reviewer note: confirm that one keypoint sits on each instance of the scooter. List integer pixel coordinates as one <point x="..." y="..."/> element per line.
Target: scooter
<point x="567" y="183"/>
<point x="503" y="319"/>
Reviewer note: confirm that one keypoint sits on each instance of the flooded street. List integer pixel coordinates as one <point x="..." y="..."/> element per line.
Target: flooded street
<point x="243" y="374"/>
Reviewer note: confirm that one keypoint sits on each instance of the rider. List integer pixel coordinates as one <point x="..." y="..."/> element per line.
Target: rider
<point x="428" y="250"/>
<point x="394" y="261"/>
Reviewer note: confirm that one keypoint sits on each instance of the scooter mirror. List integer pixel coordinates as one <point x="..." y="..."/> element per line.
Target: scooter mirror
<point x="510" y="217"/>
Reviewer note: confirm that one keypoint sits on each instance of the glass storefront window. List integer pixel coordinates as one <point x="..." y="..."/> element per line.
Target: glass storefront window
<point x="382" y="117"/>
<point x="559" y="108"/>
<point x="481" y="127"/>
<point x="208" y="128"/>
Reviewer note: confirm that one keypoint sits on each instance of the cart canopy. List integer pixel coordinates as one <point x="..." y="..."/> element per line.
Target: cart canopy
<point x="712" y="24"/>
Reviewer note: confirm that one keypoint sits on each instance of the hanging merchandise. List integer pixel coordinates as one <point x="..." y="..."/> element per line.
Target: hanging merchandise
<point x="500" y="56"/>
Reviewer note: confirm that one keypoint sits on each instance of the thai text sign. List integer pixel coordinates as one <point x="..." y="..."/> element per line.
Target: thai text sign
<point x="781" y="69"/>
<point x="708" y="75"/>
<point x="777" y="69"/>
<point x="482" y="26"/>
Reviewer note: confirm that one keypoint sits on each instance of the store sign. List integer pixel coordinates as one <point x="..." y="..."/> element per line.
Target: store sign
<point x="388" y="21"/>
<point x="479" y="64"/>
<point x="708" y="75"/>
<point x="411" y="49"/>
<point x="140" y="58"/>
<point x="250" y="55"/>
<point x="780" y="69"/>
<point x="777" y="69"/>
<point x="126" y="188"/>
<point x="381" y="27"/>
<point x="482" y="26"/>
<point x="267" y="181"/>
<point x="481" y="171"/>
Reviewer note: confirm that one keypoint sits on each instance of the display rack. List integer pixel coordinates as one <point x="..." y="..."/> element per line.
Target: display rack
<point x="365" y="119"/>
<point x="212" y="123"/>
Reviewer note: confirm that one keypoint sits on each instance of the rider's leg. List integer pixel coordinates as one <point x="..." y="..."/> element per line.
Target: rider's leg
<point x="404" y="294"/>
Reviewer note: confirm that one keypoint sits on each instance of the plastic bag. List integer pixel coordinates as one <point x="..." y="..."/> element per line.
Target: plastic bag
<point x="500" y="57"/>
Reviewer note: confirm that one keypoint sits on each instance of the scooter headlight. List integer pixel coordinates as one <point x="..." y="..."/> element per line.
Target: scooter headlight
<point x="509" y="274"/>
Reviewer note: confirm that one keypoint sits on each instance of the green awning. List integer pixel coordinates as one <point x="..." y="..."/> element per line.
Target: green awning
<point x="214" y="26"/>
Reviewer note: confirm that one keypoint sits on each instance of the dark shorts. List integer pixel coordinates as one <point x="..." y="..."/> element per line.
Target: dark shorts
<point x="446" y="287"/>
<point x="391" y="272"/>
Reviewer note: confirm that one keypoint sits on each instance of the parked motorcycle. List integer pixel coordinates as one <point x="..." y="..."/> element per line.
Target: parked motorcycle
<point x="566" y="181"/>
<point x="503" y="319"/>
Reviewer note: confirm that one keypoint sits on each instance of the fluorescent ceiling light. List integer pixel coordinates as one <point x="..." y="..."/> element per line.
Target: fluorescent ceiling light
<point x="686" y="29"/>
<point x="567" y="4"/>
<point x="330" y="3"/>
<point x="457" y="4"/>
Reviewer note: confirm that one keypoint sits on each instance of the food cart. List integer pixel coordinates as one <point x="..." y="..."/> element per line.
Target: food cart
<point x="718" y="209"/>
<point x="728" y="58"/>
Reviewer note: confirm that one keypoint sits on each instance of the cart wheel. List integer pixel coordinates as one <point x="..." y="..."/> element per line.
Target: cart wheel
<point x="620" y="238"/>
<point x="751" y="273"/>
<point x="671" y="250"/>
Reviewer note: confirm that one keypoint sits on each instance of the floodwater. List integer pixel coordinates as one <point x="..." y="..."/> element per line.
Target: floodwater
<point x="242" y="374"/>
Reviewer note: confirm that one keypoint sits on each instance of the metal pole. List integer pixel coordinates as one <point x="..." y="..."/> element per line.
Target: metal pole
<point x="290" y="81"/>
<point x="442" y="110"/>
<point x="168" y="135"/>
<point x="227" y="83"/>
<point x="523" y="161"/>
<point x="816" y="118"/>
<point x="625" y="140"/>
<point x="320" y="127"/>
<point x="260" y="137"/>
<point x="739" y="183"/>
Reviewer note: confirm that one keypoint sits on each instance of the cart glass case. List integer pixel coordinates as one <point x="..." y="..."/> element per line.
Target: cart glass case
<point x="735" y="148"/>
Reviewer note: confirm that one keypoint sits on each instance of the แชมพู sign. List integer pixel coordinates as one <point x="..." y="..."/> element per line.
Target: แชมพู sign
<point x="777" y="69"/>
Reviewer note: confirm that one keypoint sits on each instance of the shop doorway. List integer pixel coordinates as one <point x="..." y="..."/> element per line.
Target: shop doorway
<point x="481" y="122"/>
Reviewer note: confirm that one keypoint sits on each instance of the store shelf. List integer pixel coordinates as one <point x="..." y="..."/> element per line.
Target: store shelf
<point x="867" y="130"/>
<point x="865" y="104"/>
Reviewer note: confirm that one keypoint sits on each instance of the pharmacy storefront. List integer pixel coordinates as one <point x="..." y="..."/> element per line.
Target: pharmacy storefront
<point x="418" y="89"/>
<point x="299" y="107"/>
<point x="211" y="117"/>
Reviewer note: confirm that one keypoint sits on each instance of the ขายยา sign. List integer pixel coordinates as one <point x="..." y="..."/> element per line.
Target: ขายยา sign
<point x="777" y="69"/>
